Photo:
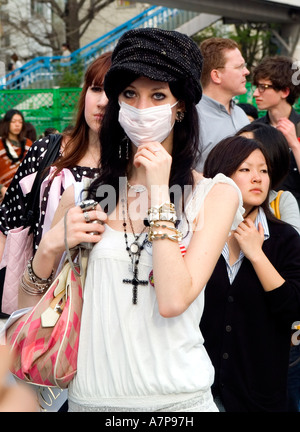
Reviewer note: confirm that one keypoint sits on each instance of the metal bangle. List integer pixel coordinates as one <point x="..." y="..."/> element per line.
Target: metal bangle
<point x="159" y="235"/>
<point x="31" y="290"/>
<point x="36" y="279"/>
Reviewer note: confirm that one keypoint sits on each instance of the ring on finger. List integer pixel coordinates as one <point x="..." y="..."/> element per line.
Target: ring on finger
<point x="89" y="204"/>
<point x="98" y="221"/>
<point x="86" y="216"/>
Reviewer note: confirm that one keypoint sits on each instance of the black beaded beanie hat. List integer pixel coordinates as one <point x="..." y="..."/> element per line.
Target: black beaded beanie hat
<point x="161" y="55"/>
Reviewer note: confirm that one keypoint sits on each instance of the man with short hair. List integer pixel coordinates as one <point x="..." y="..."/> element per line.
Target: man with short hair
<point x="223" y="77"/>
<point x="276" y="91"/>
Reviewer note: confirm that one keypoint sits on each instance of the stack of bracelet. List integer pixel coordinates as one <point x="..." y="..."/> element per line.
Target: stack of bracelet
<point x="164" y="213"/>
<point x="32" y="284"/>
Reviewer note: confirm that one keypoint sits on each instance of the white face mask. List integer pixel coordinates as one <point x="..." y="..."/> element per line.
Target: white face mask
<point x="146" y="125"/>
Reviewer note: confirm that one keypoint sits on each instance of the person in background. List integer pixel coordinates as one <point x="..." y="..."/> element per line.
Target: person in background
<point x="65" y="52"/>
<point x="224" y="76"/>
<point x="16" y="62"/>
<point x="250" y="111"/>
<point x="277" y="91"/>
<point x="80" y="155"/>
<point x="252" y="299"/>
<point x="49" y="131"/>
<point x="80" y="151"/>
<point x="78" y="160"/>
<point x="137" y="276"/>
<point x="16" y="65"/>
<point x="14" y="146"/>
<point x="277" y="148"/>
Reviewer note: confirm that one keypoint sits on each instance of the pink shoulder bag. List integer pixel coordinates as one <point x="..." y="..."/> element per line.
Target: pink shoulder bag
<point x="45" y="340"/>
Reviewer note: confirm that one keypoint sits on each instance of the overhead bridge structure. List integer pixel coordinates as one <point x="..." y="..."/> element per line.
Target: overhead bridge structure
<point x="286" y="13"/>
<point x="187" y="16"/>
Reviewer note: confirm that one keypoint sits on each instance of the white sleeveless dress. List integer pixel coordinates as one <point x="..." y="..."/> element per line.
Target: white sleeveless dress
<point x="130" y="357"/>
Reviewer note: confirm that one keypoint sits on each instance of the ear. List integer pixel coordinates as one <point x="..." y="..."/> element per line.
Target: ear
<point x="215" y="76"/>
<point x="285" y="93"/>
<point x="181" y="106"/>
<point x="180" y="111"/>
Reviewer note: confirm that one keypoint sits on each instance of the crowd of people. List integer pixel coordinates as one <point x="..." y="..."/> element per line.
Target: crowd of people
<point x="192" y="289"/>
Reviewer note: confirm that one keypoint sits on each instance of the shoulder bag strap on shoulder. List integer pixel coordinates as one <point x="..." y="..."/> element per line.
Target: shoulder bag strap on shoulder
<point x="275" y="204"/>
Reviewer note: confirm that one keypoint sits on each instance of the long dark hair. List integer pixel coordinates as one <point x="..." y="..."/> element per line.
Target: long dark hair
<point x="185" y="145"/>
<point x="6" y="122"/>
<point x="229" y="154"/>
<point x="5" y="133"/>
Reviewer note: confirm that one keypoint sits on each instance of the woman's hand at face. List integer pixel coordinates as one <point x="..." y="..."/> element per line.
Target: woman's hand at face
<point x="156" y="161"/>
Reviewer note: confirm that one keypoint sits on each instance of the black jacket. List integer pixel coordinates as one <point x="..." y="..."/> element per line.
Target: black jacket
<point x="247" y="331"/>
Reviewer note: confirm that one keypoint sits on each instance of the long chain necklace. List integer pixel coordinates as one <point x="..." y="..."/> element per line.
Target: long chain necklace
<point x="134" y="251"/>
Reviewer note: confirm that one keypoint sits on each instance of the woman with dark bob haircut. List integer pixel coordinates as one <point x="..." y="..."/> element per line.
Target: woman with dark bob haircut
<point x="153" y="256"/>
<point x="252" y="300"/>
<point x="278" y="151"/>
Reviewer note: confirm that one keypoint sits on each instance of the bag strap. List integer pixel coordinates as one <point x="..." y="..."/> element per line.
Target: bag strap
<point x="51" y="155"/>
<point x="275" y="204"/>
<point x="68" y="251"/>
<point x="78" y="253"/>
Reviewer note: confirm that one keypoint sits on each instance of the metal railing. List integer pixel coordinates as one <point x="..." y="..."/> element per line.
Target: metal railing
<point x="43" y="107"/>
<point x="57" y="107"/>
<point x="45" y="71"/>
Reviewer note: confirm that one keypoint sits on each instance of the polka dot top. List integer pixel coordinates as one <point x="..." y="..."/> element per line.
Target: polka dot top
<point x="14" y="204"/>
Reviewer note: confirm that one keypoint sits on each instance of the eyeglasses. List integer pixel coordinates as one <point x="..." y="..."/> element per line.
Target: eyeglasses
<point x="262" y="87"/>
<point x="240" y="67"/>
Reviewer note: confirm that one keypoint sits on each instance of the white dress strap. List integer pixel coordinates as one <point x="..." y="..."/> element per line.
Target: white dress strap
<point x="196" y="201"/>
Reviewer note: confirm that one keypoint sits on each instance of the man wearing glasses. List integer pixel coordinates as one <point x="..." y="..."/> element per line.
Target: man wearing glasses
<point x="277" y="89"/>
<point x="223" y="77"/>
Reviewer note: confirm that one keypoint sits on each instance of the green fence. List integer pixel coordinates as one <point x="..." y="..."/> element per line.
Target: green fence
<point x="57" y="107"/>
<point x="43" y="107"/>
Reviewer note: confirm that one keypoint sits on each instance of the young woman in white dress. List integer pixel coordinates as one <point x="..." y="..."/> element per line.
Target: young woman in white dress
<point x="161" y="228"/>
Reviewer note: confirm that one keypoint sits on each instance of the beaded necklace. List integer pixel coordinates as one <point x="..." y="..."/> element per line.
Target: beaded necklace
<point x="134" y="252"/>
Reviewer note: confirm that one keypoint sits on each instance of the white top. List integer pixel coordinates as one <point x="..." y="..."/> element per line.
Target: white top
<point x="129" y="355"/>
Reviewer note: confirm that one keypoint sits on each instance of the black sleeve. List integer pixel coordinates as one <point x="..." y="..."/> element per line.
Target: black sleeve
<point x="284" y="301"/>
